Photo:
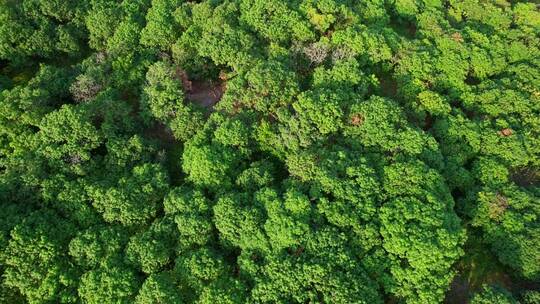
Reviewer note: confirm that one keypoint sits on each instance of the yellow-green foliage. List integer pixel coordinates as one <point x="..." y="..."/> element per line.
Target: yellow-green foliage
<point x="250" y="151"/>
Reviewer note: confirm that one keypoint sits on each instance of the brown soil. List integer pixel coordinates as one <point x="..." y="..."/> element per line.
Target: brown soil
<point x="457" y="37"/>
<point x="161" y="132"/>
<point x="506" y="132"/>
<point x="205" y="93"/>
<point x="388" y="85"/>
<point x="462" y="288"/>
<point x="459" y="291"/>
<point x="357" y="119"/>
<point x="526" y="176"/>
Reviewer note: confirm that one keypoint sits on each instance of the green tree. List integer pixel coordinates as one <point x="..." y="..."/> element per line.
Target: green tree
<point x="41" y="28"/>
<point x="36" y="262"/>
<point x="192" y="214"/>
<point x="164" y="99"/>
<point x="112" y="283"/>
<point x="417" y="194"/>
<point x="493" y="294"/>
<point x="152" y="249"/>
<point x="159" y="288"/>
<point x="161" y="30"/>
<point x="132" y="199"/>
<point x="98" y="245"/>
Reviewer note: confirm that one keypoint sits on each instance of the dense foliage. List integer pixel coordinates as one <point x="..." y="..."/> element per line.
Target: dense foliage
<point x="249" y="151"/>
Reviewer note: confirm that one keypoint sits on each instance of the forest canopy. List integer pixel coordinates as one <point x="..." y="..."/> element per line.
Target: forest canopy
<point x="249" y="151"/>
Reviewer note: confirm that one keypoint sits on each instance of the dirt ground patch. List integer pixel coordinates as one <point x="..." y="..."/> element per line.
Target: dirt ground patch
<point x="526" y="176"/>
<point x="459" y="291"/>
<point x="204" y="93"/>
<point x="161" y="132"/>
